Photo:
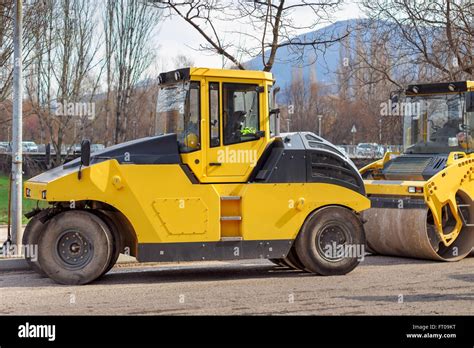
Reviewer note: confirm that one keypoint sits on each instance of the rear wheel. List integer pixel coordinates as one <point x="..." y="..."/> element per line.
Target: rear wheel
<point x="77" y="248"/>
<point x="331" y="242"/>
<point x="276" y="262"/>
<point x="280" y="262"/>
<point x="293" y="261"/>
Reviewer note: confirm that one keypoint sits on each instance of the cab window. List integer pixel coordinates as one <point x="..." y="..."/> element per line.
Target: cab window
<point x="214" y="123"/>
<point x="241" y="110"/>
<point x="190" y="139"/>
<point x="178" y="111"/>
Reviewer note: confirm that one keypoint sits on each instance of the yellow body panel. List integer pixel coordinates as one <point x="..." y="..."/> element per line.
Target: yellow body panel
<point x="392" y="188"/>
<point x="441" y="191"/>
<point x="162" y="204"/>
<point x="277" y="211"/>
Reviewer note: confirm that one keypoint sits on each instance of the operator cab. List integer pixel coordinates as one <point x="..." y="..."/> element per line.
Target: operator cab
<point x="221" y="118"/>
<point x="439" y="118"/>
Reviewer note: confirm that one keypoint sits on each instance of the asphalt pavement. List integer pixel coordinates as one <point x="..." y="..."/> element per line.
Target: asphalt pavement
<point x="380" y="285"/>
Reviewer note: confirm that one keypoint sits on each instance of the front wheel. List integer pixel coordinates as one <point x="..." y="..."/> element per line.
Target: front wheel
<point x="76" y="249"/>
<point x="331" y="242"/>
<point x="31" y="237"/>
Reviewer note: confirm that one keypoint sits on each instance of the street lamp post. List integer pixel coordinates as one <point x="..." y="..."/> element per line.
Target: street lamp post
<point x="17" y="128"/>
<point x="353" y="131"/>
<point x="320" y="118"/>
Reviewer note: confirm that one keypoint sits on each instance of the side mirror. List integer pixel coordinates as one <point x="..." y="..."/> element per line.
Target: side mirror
<point x="85" y="153"/>
<point x="275" y="111"/>
<point x="275" y="91"/>
<point x="470" y="101"/>
<point x="394" y="99"/>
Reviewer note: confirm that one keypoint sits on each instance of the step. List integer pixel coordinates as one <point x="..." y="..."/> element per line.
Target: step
<point x="231" y="239"/>
<point x="231" y="218"/>
<point x="231" y="198"/>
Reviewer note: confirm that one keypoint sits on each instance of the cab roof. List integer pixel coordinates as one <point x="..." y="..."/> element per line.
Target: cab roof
<point x="442" y="87"/>
<point x="187" y="73"/>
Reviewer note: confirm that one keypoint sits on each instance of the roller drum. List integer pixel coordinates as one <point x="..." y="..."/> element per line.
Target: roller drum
<point x="407" y="233"/>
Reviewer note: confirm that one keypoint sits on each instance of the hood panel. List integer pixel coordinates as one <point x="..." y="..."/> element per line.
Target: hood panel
<point x="162" y="149"/>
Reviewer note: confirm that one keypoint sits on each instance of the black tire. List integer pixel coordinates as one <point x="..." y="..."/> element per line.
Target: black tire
<point x="279" y="262"/>
<point x="31" y="237"/>
<point x="117" y="239"/>
<point x="76" y="249"/>
<point x="275" y="261"/>
<point x="293" y="261"/>
<point x="283" y="263"/>
<point x="324" y="227"/>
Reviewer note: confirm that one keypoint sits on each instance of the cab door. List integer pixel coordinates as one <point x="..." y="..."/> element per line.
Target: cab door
<point x="236" y="129"/>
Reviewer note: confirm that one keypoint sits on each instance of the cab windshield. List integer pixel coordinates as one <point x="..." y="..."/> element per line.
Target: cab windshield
<point x="178" y="112"/>
<point x="438" y="122"/>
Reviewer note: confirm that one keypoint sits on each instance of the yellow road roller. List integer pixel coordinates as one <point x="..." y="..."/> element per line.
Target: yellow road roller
<point x="217" y="182"/>
<point x="422" y="200"/>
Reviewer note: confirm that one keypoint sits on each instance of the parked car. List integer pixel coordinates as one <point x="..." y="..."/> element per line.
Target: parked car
<point x="381" y="151"/>
<point x="76" y="148"/>
<point x="29" y="146"/>
<point x="342" y="150"/>
<point x="5" y="146"/>
<point x="94" y="148"/>
<point x="41" y="148"/>
<point x="97" y="147"/>
<point x="367" y="150"/>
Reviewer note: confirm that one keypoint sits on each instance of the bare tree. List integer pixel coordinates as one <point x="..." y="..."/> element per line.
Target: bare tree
<point x="33" y="16"/>
<point x="182" y="61"/>
<point x="304" y="99"/>
<point x="129" y="25"/>
<point x="266" y="26"/>
<point x="437" y="36"/>
<point x="63" y="77"/>
<point x="403" y="42"/>
<point x="367" y="74"/>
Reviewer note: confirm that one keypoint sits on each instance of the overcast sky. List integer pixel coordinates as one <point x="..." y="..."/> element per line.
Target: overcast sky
<point x="178" y="37"/>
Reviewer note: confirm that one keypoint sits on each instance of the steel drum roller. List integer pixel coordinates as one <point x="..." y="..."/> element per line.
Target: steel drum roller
<point x="407" y="233"/>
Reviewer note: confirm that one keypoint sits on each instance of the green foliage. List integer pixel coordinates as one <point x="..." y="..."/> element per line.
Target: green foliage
<point x="27" y="203"/>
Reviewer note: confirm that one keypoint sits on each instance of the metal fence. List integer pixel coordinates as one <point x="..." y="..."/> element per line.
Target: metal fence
<point x="353" y="152"/>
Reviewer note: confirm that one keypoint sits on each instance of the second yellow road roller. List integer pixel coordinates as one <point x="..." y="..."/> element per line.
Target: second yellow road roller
<point x="422" y="200"/>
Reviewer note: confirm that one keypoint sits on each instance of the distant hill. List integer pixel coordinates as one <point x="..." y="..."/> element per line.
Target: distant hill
<point x="324" y="62"/>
